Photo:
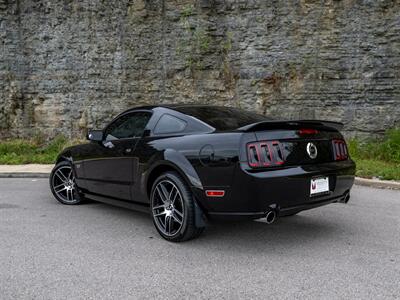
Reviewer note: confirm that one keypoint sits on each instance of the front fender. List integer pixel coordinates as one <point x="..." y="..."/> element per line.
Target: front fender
<point x="64" y="156"/>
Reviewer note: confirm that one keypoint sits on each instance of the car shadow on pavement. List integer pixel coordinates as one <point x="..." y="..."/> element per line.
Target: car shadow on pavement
<point x="287" y="231"/>
<point x="291" y="231"/>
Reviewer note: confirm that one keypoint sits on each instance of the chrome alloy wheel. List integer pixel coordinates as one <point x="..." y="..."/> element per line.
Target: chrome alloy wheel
<point x="167" y="207"/>
<point x="63" y="183"/>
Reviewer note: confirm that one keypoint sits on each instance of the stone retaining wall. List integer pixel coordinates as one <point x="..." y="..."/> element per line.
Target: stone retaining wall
<point x="66" y="66"/>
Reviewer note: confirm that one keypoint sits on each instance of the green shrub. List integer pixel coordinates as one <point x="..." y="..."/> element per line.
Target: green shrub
<point x="378" y="157"/>
<point x="387" y="149"/>
<point x="374" y="158"/>
<point x="20" y="151"/>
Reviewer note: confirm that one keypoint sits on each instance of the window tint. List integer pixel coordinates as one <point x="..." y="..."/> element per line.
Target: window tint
<point x="128" y="126"/>
<point x="223" y="118"/>
<point x="169" y="124"/>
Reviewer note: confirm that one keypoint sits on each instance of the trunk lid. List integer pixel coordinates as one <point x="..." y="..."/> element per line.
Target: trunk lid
<point x="295" y="124"/>
<point x="291" y="143"/>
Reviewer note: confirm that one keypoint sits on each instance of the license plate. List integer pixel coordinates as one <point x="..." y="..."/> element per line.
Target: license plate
<point x="319" y="185"/>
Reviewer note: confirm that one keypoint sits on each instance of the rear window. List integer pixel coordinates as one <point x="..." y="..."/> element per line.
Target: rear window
<point x="169" y="124"/>
<point x="223" y="118"/>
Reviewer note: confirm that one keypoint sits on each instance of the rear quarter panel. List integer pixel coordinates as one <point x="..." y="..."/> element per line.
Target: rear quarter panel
<point x="213" y="157"/>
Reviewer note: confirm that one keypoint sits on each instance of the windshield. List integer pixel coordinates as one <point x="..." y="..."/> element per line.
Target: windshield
<point x="222" y="118"/>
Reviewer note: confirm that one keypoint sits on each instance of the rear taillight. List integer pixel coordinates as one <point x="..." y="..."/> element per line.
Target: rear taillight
<point x="340" y="150"/>
<point x="265" y="154"/>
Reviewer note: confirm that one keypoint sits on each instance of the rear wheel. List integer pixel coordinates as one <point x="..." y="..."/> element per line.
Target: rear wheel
<point x="172" y="207"/>
<point x="62" y="184"/>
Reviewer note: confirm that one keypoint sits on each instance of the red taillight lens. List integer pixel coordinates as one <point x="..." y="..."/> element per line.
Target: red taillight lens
<point x="253" y="155"/>
<point x="278" y="152"/>
<point x="265" y="154"/>
<point x="340" y="150"/>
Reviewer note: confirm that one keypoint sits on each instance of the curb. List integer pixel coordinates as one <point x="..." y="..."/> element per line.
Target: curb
<point x="24" y="175"/>
<point x="376" y="183"/>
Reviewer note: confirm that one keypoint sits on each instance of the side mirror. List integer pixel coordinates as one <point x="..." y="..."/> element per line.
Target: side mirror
<point x="95" y="135"/>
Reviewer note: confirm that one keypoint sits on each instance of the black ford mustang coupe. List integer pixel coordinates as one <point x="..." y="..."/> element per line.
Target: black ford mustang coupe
<point x="186" y="164"/>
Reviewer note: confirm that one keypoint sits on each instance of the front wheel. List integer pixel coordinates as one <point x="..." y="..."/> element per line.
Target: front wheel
<point x="173" y="208"/>
<point x="62" y="184"/>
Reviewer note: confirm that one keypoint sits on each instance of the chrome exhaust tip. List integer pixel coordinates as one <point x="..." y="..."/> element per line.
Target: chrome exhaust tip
<point x="270" y="217"/>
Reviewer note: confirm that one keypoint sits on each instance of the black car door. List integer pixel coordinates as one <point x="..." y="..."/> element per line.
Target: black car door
<point x="109" y="168"/>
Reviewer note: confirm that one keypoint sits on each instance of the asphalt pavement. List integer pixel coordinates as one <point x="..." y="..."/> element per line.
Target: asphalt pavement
<point x="96" y="251"/>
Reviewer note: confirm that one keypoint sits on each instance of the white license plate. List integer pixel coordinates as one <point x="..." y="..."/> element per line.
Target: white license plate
<point x="319" y="185"/>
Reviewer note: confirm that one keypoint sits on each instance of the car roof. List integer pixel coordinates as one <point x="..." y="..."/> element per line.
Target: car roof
<point x="220" y="118"/>
<point x="170" y="106"/>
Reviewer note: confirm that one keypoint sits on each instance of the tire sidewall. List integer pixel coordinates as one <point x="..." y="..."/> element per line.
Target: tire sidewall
<point x="186" y="198"/>
<point x="57" y="166"/>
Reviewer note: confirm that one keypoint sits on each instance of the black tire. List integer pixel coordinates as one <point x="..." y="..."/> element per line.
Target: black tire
<point x="62" y="184"/>
<point x="187" y="229"/>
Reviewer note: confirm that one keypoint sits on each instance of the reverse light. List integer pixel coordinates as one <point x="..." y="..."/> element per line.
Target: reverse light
<point x="265" y="154"/>
<point x="340" y="151"/>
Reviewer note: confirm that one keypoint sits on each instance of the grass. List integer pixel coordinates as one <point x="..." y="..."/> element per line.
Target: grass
<point x="18" y="151"/>
<point x="374" y="158"/>
<point x="378" y="158"/>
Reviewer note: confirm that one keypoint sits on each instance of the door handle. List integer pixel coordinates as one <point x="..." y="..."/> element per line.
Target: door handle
<point x="128" y="150"/>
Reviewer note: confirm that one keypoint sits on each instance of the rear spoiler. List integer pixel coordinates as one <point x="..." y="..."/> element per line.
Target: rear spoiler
<point x="295" y="124"/>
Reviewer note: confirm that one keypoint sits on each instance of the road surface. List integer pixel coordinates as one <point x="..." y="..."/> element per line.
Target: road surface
<point x="95" y="251"/>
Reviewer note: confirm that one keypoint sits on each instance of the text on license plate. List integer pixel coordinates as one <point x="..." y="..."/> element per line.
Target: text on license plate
<point x="319" y="185"/>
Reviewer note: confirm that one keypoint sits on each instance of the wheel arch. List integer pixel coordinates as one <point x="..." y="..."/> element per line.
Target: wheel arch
<point x="194" y="184"/>
<point x="165" y="166"/>
<point x="65" y="156"/>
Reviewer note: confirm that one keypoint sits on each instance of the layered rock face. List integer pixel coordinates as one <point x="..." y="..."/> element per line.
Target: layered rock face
<point x="69" y="65"/>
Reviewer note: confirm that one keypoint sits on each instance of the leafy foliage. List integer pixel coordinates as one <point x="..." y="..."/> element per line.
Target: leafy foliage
<point x="378" y="158"/>
<point x="20" y="151"/>
<point x="374" y="158"/>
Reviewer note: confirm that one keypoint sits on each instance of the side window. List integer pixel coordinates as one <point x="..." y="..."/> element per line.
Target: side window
<point x="169" y="124"/>
<point x="128" y="126"/>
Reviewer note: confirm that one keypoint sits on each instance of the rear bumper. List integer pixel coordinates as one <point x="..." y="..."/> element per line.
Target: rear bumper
<point x="287" y="191"/>
<point x="281" y="212"/>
